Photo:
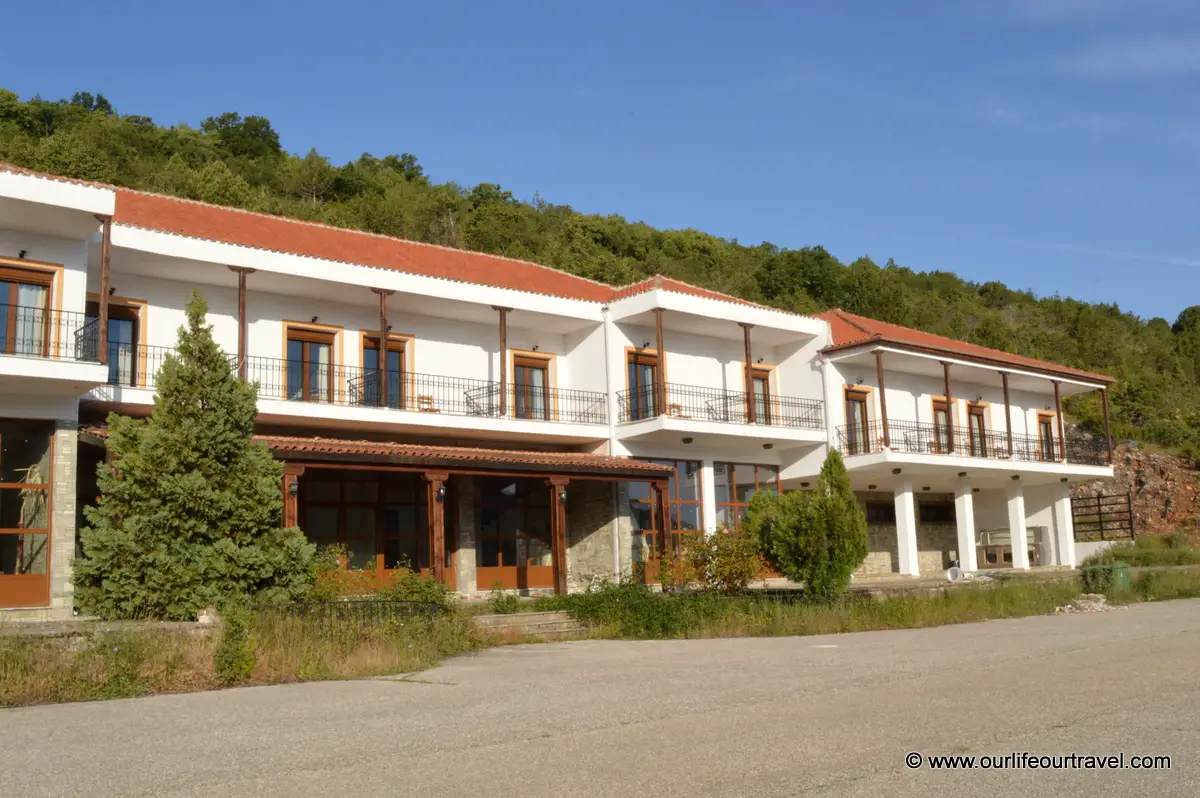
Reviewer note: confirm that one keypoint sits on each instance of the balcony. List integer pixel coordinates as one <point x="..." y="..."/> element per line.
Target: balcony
<point x="914" y="437"/>
<point x="697" y="403"/>
<point x="47" y="334"/>
<point x="353" y="386"/>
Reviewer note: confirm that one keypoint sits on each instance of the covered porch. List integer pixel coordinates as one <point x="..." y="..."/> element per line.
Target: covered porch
<point x="472" y="518"/>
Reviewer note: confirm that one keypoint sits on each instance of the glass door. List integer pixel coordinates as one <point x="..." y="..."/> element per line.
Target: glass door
<point x="25" y="481"/>
<point x="1046" y="437"/>
<point x="24" y="313"/>
<point x="941" y="427"/>
<point x="531" y="390"/>
<point x="857" y="427"/>
<point x="978" y="432"/>
<point x="642" y="371"/>
<point x="309" y="366"/>
<point x="393" y="372"/>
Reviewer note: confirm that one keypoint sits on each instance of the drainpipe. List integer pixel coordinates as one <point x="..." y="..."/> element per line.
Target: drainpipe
<point x="610" y="400"/>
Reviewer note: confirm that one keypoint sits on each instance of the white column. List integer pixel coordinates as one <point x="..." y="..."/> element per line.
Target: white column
<point x="906" y="528"/>
<point x="1016" y="526"/>
<point x="1064" y="525"/>
<point x="708" y="497"/>
<point x="964" y="515"/>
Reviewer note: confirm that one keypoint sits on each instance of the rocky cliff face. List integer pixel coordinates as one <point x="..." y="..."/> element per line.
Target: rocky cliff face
<point x="1166" y="490"/>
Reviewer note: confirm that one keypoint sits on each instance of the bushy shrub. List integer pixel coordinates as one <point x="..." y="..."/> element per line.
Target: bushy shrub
<point x="406" y="585"/>
<point x="725" y="563"/>
<point x="815" y="538"/>
<point x="234" y="658"/>
<point x="502" y="602"/>
<point x="1149" y="550"/>
<point x="189" y="508"/>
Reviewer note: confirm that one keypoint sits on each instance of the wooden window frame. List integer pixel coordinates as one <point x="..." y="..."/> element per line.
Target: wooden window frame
<point x="1050" y="418"/>
<point x="937" y="446"/>
<point x="548" y="362"/>
<point x="674" y="503"/>
<point x="519" y="575"/>
<point x="403" y="344"/>
<point x="138" y="308"/>
<point x="651" y="357"/>
<point x="977" y="410"/>
<point x="733" y="506"/>
<point x="766" y="373"/>
<point x="855" y="446"/>
<point x="18" y="274"/>
<point x="313" y="334"/>
<point x="33" y="590"/>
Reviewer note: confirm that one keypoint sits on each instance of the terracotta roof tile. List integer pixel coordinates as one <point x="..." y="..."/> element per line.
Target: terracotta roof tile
<point x="574" y="461"/>
<point x="21" y="170"/>
<point x="850" y="330"/>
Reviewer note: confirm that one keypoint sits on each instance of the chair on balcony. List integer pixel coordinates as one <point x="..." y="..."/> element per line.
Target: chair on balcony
<point x="425" y="404"/>
<point x="676" y="410"/>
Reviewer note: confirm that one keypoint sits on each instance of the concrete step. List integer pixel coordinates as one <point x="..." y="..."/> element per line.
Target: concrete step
<point x="520" y="619"/>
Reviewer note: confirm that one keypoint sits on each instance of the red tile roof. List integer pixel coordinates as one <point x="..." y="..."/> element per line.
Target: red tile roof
<point x="850" y="330"/>
<point x="315" y="448"/>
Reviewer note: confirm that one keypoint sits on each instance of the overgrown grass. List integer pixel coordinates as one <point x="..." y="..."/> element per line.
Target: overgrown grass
<point x="283" y="649"/>
<point x="1150" y="550"/>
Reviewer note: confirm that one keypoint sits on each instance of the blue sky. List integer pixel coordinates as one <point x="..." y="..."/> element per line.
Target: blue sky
<point x="1050" y="144"/>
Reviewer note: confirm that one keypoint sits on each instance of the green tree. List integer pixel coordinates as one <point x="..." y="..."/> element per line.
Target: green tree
<point x="189" y="507"/>
<point x="816" y="538"/>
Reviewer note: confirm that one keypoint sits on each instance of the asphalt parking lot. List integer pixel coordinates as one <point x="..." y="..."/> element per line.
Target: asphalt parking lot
<point x="832" y="715"/>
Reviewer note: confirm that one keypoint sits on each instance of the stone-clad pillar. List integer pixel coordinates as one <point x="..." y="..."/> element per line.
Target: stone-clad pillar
<point x="62" y="522"/>
<point x="464" y="487"/>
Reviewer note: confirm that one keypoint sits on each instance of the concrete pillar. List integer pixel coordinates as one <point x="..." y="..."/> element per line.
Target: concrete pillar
<point x="964" y="515"/>
<point x="1016" y="526"/>
<point x="708" y="497"/>
<point x="906" y="528"/>
<point x="1064" y="526"/>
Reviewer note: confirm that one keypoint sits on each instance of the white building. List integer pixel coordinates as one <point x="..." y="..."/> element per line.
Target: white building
<point x="528" y="428"/>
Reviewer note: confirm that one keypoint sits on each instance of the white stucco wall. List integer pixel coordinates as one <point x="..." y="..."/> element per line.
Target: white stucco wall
<point x="68" y="253"/>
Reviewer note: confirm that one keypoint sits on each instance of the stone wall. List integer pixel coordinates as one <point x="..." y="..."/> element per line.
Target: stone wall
<point x="937" y="543"/>
<point x="62" y="524"/>
<point x="464" y="487"/>
<point x="589" y="532"/>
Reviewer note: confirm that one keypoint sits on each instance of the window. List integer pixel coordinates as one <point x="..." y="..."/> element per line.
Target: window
<point x="309" y="365"/>
<point x="25" y="312"/>
<point x="380" y="517"/>
<point x="684" y="507"/>
<point x="25" y="480"/>
<point x="735" y="484"/>
<point x="936" y="512"/>
<point x="531" y="387"/>
<point x="642" y="368"/>
<point x="1046" y="444"/>
<point x="372" y="379"/>
<point x="942" y="434"/>
<point x="760" y="380"/>
<point x="977" y="428"/>
<point x="881" y="513"/>
<point x="124" y="326"/>
<point x="513" y="547"/>
<point x="857" y="427"/>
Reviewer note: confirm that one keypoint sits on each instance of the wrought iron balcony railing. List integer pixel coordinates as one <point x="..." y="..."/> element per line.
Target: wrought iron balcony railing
<point x="716" y="404"/>
<point x="915" y="437"/>
<point x="304" y="381"/>
<point x="49" y="334"/>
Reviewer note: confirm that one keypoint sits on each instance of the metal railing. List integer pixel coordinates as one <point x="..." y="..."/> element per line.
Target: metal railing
<point x="699" y="403"/>
<point x="49" y="334"/>
<point x="1103" y="517"/>
<point x="135" y="365"/>
<point x="354" y="386"/>
<point x="918" y="437"/>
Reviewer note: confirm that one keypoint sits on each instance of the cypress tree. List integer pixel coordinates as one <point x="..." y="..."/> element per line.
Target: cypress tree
<point x="189" y="508"/>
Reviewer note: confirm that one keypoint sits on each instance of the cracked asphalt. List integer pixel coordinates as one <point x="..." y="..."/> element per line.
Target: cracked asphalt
<point x="833" y="715"/>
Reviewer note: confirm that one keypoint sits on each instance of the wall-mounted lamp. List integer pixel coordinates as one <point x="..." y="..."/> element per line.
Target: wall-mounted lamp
<point x="441" y="493"/>
<point x="979" y="399"/>
<point x="1064" y="479"/>
<point x="768" y="446"/>
<point x="759" y="360"/>
<point x="974" y="490"/>
<point x="872" y="487"/>
<point x="1015" y="477"/>
<point x="389" y="328"/>
<point x="962" y="473"/>
<point x="562" y="494"/>
<point x="293" y="487"/>
<point x="535" y="349"/>
<point x="1047" y="407"/>
<point x="112" y="289"/>
<point x="925" y="488"/>
<point x="688" y="440"/>
<point x="896" y="470"/>
<point x="21" y="254"/>
<point x="804" y="484"/>
<point x="314" y="320"/>
<point x="645" y="345"/>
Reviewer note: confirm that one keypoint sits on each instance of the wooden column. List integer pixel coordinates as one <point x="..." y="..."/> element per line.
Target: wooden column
<point x="384" y="328"/>
<point x="1107" y="429"/>
<point x="558" y="532"/>
<point x="660" y="384"/>
<point x="1062" y="440"/>
<point x="887" y="438"/>
<point x="748" y="377"/>
<point x="949" y="407"/>
<point x="435" y="501"/>
<point x="242" y="329"/>
<point x="1007" y="414"/>
<point x="105" y="254"/>
<point x="503" y="358"/>
<point x="291" y="507"/>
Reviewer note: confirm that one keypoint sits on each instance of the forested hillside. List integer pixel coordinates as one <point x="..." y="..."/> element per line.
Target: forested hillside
<point x="238" y="161"/>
